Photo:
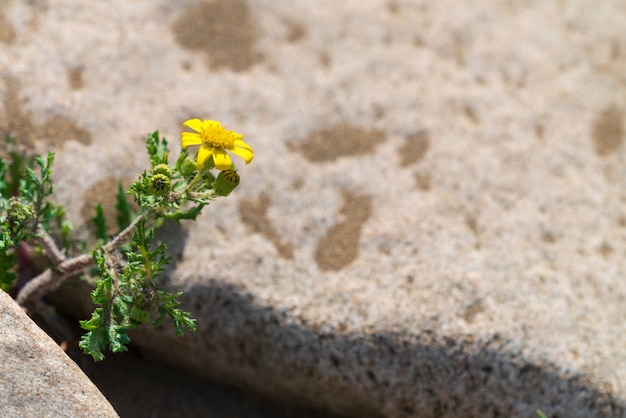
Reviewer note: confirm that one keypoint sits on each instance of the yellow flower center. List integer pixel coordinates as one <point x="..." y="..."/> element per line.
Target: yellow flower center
<point x="217" y="137"/>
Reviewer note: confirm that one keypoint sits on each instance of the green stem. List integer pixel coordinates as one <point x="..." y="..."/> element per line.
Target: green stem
<point x="197" y="178"/>
<point x="193" y="182"/>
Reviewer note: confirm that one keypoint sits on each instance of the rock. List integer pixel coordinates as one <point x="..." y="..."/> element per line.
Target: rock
<point x="433" y="224"/>
<point x="37" y="379"/>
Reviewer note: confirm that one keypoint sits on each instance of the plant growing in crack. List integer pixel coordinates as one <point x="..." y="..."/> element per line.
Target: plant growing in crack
<point x="126" y="292"/>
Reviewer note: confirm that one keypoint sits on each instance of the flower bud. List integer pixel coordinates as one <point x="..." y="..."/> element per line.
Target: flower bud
<point x="162" y="169"/>
<point x="188" y="167"/>
<point x="226" y="182"/>
<point x="160" y="184"/>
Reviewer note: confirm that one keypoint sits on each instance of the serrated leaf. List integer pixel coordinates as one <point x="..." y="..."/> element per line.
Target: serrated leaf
<point x="122" y="206"/>
<point x="117" y="338"/>
<point x="139" y="315"/>
<point x="93" y="343"/>
<point x="94" y="322"/>
<point x="157" y="149"/>
<point x="100" y="223"/>
<point x="7" y="265"/>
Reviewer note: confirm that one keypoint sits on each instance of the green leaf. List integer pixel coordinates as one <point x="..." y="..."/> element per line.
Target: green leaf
<point x="93" y="343"/>
<point x="118" y="338"/>
<point x="157" y="149"/>
<point x="102" y="293"/>
<point x="94" y="322"/>
<point x="182" y="319"/>
<point x="95" y="340"/>
<point x="120" y="307"/>
<point x="66" y="227"/>
<point x="190" y="214"/>
<point x="16" y="167"/>
<point x="140" y="315"/>
<point x="29" y="185"/>
<point x="100" y="223"/>
<point x="7" y="265"/>
<point x="122" y="206"/>
<point x="4" y="184"/>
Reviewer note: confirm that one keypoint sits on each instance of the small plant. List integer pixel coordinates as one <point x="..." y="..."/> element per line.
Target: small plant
<point x="126" y="291"/>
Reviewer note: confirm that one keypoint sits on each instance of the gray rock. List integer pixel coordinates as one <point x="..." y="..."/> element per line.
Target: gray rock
<point x="37" y="379"/>
<point x="434" y="222"/>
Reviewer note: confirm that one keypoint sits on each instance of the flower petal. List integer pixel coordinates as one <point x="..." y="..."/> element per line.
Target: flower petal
<point x="222" y="160"/>
<point x="204" y="153"/>
<point x="245" y="153"/>
<point x="213" y="124"/>
<point x="190" y="138"/>
<point x="242" y="144"/>
<point x="195" y="124"/>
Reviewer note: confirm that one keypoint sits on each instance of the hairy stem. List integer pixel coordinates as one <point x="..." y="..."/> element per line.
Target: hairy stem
<point x="125" y="235"/>
<point x="203" y="195"/>
<point x="50" y="248"/>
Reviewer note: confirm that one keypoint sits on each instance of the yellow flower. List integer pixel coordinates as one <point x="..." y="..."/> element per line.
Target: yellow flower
<point x="214" y="141"/>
